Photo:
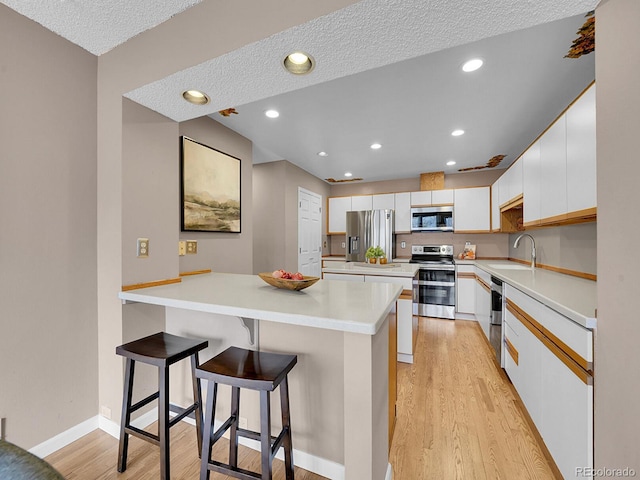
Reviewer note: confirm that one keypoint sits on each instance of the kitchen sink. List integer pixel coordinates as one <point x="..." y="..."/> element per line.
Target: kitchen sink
<point x="508" y="266"/>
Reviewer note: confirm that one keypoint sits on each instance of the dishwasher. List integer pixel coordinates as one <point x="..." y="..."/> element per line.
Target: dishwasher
<point x="496" y="301"/>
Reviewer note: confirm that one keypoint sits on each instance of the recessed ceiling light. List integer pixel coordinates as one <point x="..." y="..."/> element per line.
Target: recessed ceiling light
<point x="298" y="63"/>
<point x="376" y="146"/>
<point x="457" y="133"/>
<point x="196" y="97"/>
<point x="323" y="154"/>
<point x="348" y="174"/>
<point x="451" y="162"/>
<point x="472" y="65"/>
<point x="272" y="113"/>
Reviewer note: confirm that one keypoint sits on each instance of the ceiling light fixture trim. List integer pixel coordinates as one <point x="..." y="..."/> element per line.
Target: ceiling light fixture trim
<point x="376" y="146"/>
<point x="195" y="97"/>
<point x="323" y="154"/>
<point x="457" y="133"/>
<point x="272" y="113"/>
<point x="299" y="63"/>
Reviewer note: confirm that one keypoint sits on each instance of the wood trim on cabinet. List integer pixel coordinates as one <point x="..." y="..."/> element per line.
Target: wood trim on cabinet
<point x="588" y="214"/>
<point x="195" y="272"/>
<point x="469" y="275"/>
<point x="574" y="361"/>
<point x="566" y="271"/>
<point x="471" y="231"/>
<point x="483" y="283"/>
<point x="406" y="295"/>
<point x="136" y="286"/>
<point x="513" y="353"/>
<point x="513" y="203"/>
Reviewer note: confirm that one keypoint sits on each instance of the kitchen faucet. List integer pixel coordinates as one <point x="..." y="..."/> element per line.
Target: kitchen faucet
<point x="533" y="247"/>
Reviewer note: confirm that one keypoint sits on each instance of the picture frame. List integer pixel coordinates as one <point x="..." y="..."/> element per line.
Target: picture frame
<point x="210" y="189"/>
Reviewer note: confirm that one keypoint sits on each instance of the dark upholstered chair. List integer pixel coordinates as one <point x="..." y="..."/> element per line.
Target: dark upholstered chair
<point x="18" y="464"/>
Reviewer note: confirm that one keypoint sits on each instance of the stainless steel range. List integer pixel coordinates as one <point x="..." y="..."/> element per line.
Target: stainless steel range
<point x="435" y="286"/>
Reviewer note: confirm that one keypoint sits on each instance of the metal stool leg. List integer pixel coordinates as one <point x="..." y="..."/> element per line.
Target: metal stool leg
<point x="197" y="398"/>
<point x="163" y="421"/>
<point x="286" y="423"/>
<point x="207" y="431"/>
<point x="265" y="434"/>
<point x="125" y="417"/>
<point x="233" y="432"/>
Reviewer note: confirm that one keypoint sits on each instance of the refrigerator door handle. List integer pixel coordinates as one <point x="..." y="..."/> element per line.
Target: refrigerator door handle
<point x="353" y="245"/>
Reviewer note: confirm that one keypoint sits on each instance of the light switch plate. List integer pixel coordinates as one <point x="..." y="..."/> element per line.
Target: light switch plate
<point x="182" y="248"/>
<point x="143" y="247"/>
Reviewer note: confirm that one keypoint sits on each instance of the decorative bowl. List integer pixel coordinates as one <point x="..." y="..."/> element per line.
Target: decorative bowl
<point x="288" y="284"/>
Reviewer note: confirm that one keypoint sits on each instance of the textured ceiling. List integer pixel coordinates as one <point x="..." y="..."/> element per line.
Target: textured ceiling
<point x="99" y="26"/>
<point x="365" y="35"/>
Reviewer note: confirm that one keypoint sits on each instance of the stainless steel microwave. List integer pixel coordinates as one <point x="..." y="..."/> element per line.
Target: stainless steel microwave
<point x="432" y="219"/>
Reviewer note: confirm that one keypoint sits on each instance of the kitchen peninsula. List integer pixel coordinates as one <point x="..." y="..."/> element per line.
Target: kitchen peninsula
<point x="341" y="334"/>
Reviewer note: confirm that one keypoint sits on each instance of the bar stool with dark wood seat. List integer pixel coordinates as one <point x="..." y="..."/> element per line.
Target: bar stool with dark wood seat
<point x="162" y="350"/>
<point x="252" y="370"/>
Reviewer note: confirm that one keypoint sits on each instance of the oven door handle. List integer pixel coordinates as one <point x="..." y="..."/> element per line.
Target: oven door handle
<point x="437" y="284"/>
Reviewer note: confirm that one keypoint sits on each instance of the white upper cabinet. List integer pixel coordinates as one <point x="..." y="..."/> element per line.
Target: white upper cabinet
<point x="442" y="197"/>
<point x="471" y="209"/>
<point x="495" y="206"/>
<point x="511" y="183"/>
<point x="402" y="212"/>
<point x="338" y="208"/>
<point x="532" y="181"/>
<point x="581" y="153"/>
<point x="384" y="202"/>
<point x="421" y="198"/>
<point x="361" y="202"/>
<point x="553" y="170"/>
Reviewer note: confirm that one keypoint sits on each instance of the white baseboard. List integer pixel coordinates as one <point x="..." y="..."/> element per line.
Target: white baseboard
<point x="466" y="316"/>
<point x="405" y="358"/>
<point x="65" y="438"/>
<point x="389" y="475"/>
<point x="312" y="463"/>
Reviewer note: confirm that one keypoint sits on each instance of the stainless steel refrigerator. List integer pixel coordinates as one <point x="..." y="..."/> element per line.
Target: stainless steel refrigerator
<point x="369" y="228"/>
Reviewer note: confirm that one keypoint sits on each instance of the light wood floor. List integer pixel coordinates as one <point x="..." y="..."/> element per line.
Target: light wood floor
<point x="458" y="418"/>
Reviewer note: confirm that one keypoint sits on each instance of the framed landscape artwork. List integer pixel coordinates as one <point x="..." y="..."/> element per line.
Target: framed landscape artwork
<point x="210" y="189"/>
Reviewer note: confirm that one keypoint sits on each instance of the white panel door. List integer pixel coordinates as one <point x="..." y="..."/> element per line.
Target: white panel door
<point x="471" y="209"/>
<point x="442" y="197"/>
<point x="515" y="179"/>
<point x="361" y="202"/>
<point x="495" y="206"/>
<point x="532" y="183"/>
<point x="402" y="215"/>
<point x="338" y="208"/>
<point x="581" y="153"/>
<point x="421" y="199"/>
<point x="309" y="232"/>
<point x="385" y="201"/>
<point x="553" y="170"/>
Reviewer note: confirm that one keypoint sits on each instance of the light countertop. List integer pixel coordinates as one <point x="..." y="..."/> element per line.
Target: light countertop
<point x="400" y="269"/>
<point x="571" y="296"/>
<point x="344" y="306"/>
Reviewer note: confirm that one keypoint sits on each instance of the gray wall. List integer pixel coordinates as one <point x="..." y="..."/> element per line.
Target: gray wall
<point x="617" y="383"/>
<point x="275" y="206"/>
<point x="572" y="247"/>
<point x="223" y="252"/>
<point x="48" y="339"/>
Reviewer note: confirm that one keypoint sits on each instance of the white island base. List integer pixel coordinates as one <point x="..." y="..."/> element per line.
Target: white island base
<point x="339" y="388"/>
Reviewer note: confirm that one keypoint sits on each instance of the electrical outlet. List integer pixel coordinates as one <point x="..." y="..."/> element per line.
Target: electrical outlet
<point x="192" y="247"/>
<point x="344" y="245"/>
<point x="143" y="247"/>
<point x="105" y="412"/>
<point x="242" y="423"/>
<point x="403" y="244"/>
<point x="3" y="428"/>
<point x="182" y="248"/>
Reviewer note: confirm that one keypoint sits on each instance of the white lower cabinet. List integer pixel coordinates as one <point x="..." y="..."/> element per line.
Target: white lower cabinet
<point x="465" y="289"/>
<point x="556" y="391"/>
<point x="483" y="300"/>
